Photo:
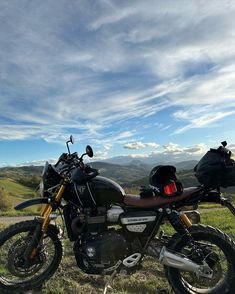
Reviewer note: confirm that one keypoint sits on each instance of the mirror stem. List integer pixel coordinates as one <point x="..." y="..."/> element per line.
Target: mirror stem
<point x="67" y="143"/>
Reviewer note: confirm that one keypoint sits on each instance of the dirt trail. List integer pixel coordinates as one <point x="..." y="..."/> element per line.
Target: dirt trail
<point x="14" y="219"/>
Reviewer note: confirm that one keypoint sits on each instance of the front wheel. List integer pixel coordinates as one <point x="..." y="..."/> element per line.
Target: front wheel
<point x="15" y="272"/>
<point x="219" y="253"/>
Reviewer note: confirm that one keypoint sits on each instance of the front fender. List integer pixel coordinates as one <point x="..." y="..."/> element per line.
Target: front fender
<point x="31" y="202"/>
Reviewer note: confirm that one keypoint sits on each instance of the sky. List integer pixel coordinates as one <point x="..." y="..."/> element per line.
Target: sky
<point x="137" y="78"/>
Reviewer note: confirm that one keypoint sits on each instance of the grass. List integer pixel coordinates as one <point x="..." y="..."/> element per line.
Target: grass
<point x="210" y="205"/>
<point x="34" y="210"/>
<point x="223" y="220"/>
<point x="17" y="194"/>
<point x="150" y="280"/>
<point x="16" y="190"/>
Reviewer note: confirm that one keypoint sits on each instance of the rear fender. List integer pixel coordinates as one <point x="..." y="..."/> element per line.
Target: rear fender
<point x="211" y="197"/>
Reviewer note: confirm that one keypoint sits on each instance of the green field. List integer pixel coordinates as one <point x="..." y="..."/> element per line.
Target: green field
<point x="16" y="193"/>
<point x="150" y="280"/>
<point x="16" y="190"/>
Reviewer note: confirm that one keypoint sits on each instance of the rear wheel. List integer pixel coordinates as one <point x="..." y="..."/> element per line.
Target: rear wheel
<point x="219" y="254"/>
<point x="15" y="271"/>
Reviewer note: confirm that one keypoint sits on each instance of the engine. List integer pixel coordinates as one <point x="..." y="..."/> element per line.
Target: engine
<point x="97" y="248"/>
<point x="100" y="253"/>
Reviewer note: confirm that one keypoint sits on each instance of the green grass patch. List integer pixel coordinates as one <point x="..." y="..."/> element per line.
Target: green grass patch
<point x="210" y="205"/>
<point x="15" y="189"/>
<point x="17" y="193"/>
<point x="24" y="212"/>
<point x="221" y="219"/>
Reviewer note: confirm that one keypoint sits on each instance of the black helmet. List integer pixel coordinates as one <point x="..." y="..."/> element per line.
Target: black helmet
<point x="164" y="178"/>
<point x="161" y="174"/>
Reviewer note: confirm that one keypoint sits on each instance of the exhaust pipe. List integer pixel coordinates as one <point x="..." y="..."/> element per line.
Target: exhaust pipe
<point x="182" y="263"/>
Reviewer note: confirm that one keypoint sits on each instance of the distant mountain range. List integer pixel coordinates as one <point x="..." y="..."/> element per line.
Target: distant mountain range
<point x="153" y="159"/>
<point x="134" y="173"/>
<point x="143" y="163"/>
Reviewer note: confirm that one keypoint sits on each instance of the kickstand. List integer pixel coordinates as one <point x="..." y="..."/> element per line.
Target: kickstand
<point x="108" y="284"/>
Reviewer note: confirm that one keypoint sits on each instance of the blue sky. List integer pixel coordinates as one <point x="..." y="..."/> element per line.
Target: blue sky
<point x="138" y="78"/>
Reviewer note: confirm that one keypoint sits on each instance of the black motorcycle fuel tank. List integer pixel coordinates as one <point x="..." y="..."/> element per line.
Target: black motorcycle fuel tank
<point x="99" y="191"/>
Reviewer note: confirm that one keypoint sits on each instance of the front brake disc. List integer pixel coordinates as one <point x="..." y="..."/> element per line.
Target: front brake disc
<point x="16" y="263"/>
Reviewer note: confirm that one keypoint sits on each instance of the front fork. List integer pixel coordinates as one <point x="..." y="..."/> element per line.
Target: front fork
<point x="50" y="207"/>
<point x="41" y="228"/>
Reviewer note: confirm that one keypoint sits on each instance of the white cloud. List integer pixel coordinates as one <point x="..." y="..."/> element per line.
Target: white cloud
<point x="100" y="155"/>
<point x="152" y="145"/>
<point x="172" y="148"/>
<point x="139" y="155"/>
<point x="170" y="153"/>
<point x="37" y="162"/>
<point x="197" y="149"/>
<point x="140" y="145"/>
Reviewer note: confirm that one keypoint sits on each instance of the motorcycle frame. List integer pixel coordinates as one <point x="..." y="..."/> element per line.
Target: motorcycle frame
<point x="163" y="213"/>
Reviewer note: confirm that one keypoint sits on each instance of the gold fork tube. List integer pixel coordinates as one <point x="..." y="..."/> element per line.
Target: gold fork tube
<point x="60" y="193"/>
<point x="48" y="209"/>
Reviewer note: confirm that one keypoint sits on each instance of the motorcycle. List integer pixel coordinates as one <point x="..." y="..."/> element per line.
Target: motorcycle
<point x="197" y="259"/>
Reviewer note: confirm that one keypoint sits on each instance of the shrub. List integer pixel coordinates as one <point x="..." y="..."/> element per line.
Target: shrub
<point x="5" y="203"/>
<point x="31" y="182"/>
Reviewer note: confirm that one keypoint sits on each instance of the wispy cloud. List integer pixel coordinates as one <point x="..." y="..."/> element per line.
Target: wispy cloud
<point x="84" y="67"/>
<point x="204" y="120"/>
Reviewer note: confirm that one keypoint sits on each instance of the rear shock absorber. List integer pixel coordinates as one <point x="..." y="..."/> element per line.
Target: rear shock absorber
<point x="180" y="226"/>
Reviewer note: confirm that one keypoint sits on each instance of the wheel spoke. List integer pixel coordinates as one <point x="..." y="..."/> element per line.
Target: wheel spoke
<point x="13" y="267"/>
<point x="220" y="267"/>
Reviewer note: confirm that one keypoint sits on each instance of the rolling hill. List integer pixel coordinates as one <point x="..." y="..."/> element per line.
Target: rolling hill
<point x="26" y="178"/>
<point x="21" y="182"/>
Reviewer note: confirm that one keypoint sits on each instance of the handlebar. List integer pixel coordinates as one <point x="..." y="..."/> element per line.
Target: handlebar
<point x="70" y="162"/>
<point x="67" y="158"/>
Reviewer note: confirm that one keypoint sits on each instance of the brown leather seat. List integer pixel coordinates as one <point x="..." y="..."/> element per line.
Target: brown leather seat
<point x="135" y="200"/>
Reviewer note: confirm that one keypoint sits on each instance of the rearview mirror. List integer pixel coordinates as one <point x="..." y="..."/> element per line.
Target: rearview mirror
<point x="89" y="151"/>
<point x="71" y="139"/>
